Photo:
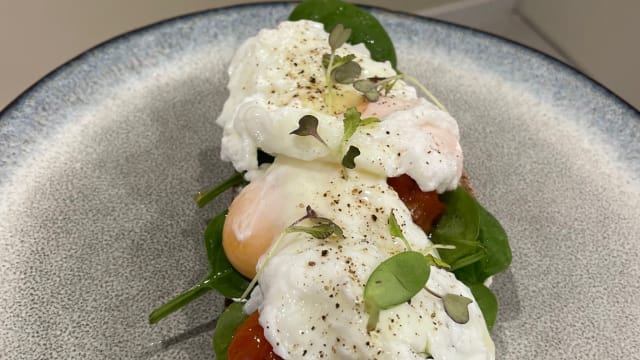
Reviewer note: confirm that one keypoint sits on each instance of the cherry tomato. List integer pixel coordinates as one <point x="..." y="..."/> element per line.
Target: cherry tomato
<point x="249" y="342"/>
<point x="425" y="207"/>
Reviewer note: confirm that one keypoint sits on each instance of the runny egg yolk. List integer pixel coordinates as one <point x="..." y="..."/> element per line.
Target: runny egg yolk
<point x="250" y="227"/>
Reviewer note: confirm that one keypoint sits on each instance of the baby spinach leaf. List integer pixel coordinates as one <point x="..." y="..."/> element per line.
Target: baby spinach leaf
<point x="365" y="27"/>
<point x="487" y="302"/>
<point x="457" y="307"/>
<point x="222" y="276"/>
<point x="204" y="197"/>
<point x="459" y="226"/>
<point x="494" y="240"/>
<point x="394" y="281"/>
<point x="226" y="327"/>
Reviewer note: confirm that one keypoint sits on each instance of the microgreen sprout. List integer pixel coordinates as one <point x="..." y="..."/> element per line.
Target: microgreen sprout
<point x="396" y="230"/>
<point x="308" y="126"/>
<point x="341" y="69"/>
<point x="322" y="228"/>
<point x="456" y="306"/>
<point x="352" y="121"/>
<point x="349" y="159"/>
<point x="372" y="87"/>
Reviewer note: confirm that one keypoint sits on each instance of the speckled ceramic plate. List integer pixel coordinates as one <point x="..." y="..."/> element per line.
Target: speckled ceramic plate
<point x="99" y="162"/>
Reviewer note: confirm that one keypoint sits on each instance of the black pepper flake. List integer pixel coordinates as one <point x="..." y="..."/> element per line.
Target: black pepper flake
<point x="374" y="217"/>
<point x="311" y="263"/>
<point x="324" y="252"/>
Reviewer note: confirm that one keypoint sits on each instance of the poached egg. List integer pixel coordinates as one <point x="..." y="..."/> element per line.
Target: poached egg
<point x="310" y="292"/>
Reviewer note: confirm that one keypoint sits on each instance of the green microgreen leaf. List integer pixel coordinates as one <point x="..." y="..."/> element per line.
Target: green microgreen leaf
<point x="457" y="307"/>
<point x="396" y="231"/>
<point x="387" y="86"/>
<point x="372" y="96"/>
<point x="352" y="122"/>
<point x="394" y="281"/>
<point x="437" y="262"/>
<point x="204" y="197"/>
<point x="347" y="73"/>
<point x="337" y="60"/>
<point x="308" y="126"/>
<point x="349" y="159"/>
<point x="320" y="231"/>
<point x="487" y="302"/>
<point x="228" y="322"/>
<point x="338" y="36"/>
<point x="365" y="85"/>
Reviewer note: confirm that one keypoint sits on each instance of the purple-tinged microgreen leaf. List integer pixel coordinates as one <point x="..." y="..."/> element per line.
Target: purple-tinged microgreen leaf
<point x="338" y="36"/>
<point x="372" y="96"/>
<point x="320" y="231"/>
<point x="308" y="126"/>
<point x="349" y="159"/>
<point x="347" y="73"/>
<point x="364" y="85"/>
<point x="457" y="307"/>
